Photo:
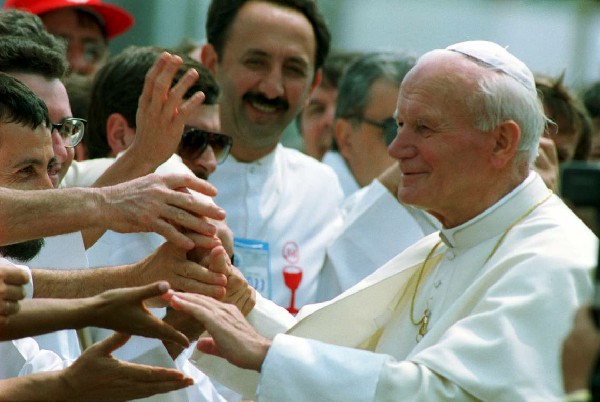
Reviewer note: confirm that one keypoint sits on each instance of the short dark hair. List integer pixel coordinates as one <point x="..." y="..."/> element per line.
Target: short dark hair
<point x="221" y="14"/>
<point x="15" y="22"/>
<point x="335" y="65"/>
<point x="19" y="54"/>
<point x="18" y="104"/>
<point x="119" y="84"/>
<point x="355" y="85"/>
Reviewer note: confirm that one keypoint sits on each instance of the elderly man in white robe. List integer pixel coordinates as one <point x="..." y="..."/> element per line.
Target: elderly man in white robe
<point x="476" y="311"/>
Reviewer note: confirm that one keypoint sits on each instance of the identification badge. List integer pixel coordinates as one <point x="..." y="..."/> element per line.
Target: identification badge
<point x="252" y="258"/>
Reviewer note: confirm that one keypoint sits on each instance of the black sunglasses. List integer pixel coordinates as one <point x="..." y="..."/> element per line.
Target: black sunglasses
<point x="389" y="126"/>
<point x="71" y="130"/>
<point x="195" y="141"/>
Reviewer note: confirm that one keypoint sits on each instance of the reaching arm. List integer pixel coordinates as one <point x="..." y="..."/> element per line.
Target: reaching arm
<point x="95" y="375"/>
<point x="160" y="120"/>
<point x="120" y="309"/>
<point x="167" y="263"/>
<point x="151" y="203"/>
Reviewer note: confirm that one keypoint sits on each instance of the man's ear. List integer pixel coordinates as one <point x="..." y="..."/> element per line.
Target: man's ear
<point x="342" y="131"/>
<point x="507" y="136"/>
<point x="118" y="133"/>
<point x="314" y="85"/>
<point x="209" y="57"/>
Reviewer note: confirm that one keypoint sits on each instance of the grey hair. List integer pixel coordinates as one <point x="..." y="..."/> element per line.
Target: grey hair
<point x="353" y="89"/>
<point x="500" y="98"/>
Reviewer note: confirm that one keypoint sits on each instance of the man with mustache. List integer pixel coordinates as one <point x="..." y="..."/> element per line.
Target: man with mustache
<point x="281" y="204"/>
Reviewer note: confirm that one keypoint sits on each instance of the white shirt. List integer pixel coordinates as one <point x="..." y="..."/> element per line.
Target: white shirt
<point x="376" y="228"/>
<point x="85" y="173"/>
<point x="23" y="356"/>
<point x="289" y="201"/>
<point x="498" y="317"/>
<point x="61" y="252"/>
<point x="336" y="161"/>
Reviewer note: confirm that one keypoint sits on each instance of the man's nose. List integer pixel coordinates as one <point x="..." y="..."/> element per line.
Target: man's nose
<point x="58" y="147"/>
<point x="272" y="84"/>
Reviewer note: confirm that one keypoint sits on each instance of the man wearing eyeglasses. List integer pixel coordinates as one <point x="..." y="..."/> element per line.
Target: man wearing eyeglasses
<point x="365" y="125"/>
<point x="376" y="225"/>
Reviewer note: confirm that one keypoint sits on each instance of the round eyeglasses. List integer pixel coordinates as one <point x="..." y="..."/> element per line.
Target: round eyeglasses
<point x="71" y="130"/>
<point x="195" y="141"/>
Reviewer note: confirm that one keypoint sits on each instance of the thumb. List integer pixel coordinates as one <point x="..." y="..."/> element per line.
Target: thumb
<point x="151" y="290"/>
<point x="219" y="261"/>
<point x="112" y="343"/>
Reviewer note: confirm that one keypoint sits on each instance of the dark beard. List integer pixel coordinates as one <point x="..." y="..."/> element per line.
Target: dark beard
<point x="24" y="251"/>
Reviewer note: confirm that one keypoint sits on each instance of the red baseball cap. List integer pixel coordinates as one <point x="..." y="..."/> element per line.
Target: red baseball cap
<point x="116" y="19"/>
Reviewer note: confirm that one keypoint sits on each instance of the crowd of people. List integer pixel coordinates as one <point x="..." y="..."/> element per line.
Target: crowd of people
<point x="418" y="249"/>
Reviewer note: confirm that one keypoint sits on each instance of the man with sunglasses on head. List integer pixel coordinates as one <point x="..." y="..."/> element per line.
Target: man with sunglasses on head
<point x="113" y="128"/>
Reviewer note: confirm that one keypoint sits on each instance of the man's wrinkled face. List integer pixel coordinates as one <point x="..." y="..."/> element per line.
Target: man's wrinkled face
<point x="266" y="73"/>
<point x="26" y="158"/>
<point x="443" y="159"/>
<point x="206" y="118"/>
<point x="54" y="94"/>
<point x="87" y="49"/>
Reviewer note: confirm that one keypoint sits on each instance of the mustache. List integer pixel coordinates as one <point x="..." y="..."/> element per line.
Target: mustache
<point x="278" y="103"/>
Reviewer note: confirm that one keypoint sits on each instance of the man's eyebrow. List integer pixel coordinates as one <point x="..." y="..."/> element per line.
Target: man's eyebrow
<point x="30" y="161"/>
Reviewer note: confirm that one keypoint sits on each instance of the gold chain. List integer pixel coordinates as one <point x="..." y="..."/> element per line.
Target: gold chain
<point x="424" y="321"/>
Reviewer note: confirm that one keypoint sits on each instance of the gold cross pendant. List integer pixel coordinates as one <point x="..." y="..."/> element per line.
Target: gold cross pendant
<point x="423" y="324"/>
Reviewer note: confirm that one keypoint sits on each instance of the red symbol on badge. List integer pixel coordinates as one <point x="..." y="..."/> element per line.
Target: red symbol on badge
<point x="291" y="252"/>
<point x="292" y="276"/>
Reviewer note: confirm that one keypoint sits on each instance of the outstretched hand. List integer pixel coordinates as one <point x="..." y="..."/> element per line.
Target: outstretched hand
<point x="170" y="263"/>
<point x="155" y="203"/>
<point x="123" y="310"/>
<point x="162" y="111"/>
<point x="233" y="338"/>
<point x="97" y="375"/>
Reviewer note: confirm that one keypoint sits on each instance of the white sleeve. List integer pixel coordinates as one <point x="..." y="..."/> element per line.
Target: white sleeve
<point x="299" y="369"/>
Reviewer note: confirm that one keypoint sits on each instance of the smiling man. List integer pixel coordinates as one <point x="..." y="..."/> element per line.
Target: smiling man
<point x="281" y="204"/>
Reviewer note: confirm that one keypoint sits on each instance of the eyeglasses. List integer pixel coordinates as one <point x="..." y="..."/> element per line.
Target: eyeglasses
<point x="195" y="141"/>
<point x="71" y="130"/>
<point x="389" y="126"/>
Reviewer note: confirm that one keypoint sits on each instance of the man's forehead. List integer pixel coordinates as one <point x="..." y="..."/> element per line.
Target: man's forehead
<point x="51" y="91"/>
<point x="205" y="117"/>
<point x="273" y="26"/>
<point x="26" y="141"/>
